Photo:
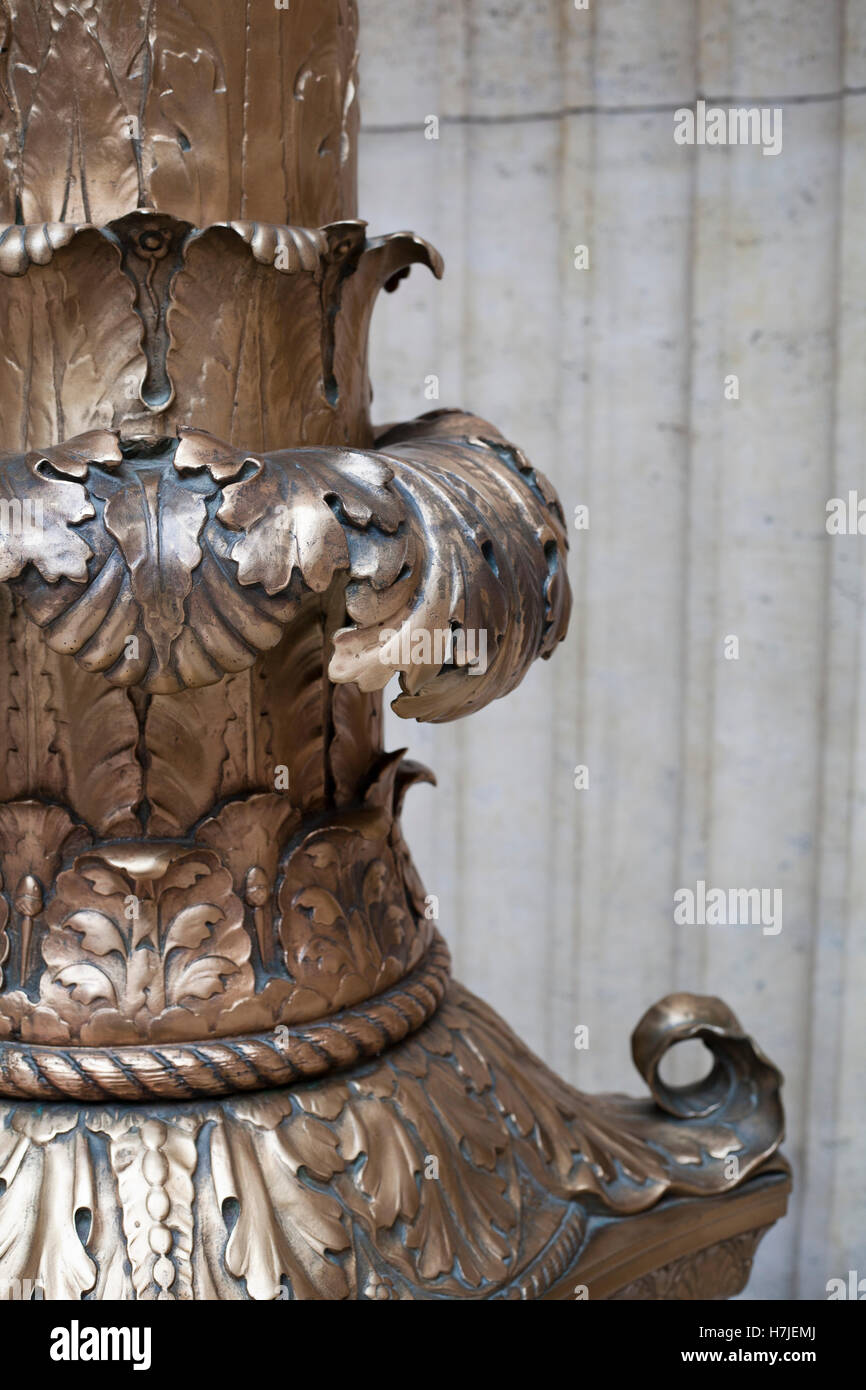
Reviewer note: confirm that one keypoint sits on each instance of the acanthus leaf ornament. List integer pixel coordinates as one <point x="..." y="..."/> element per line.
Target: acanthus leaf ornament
<point x="416" y="552"/>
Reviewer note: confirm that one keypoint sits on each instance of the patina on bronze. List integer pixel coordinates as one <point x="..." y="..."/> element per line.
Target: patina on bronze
<point x="233" y="1062"/>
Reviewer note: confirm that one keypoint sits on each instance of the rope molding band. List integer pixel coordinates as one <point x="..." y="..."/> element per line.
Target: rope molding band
<point x="220" y="1066"/>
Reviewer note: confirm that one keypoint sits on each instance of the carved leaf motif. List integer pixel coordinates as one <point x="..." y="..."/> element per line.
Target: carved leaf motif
<point x="204" y="944"/>
<point x="123" y="49"/>
<point x="290" y="713"/>
<point x="199" y="449"/>
<point x="68" y="735"/>
<point x="187" y="107"/>
<point x="287" y="523"/>
<point x="44" y="1185"/>
<point x="21" y="247"/>
<point x="507" y="604"/>
<point x="190" y="627"/>
<point x="35" y="522"/>
<point x="74" y="374"/>
<point x="260" y="382"/>
<point x="39" y="507"/>
<point x="571" y="1139"/>
<point x="87" y="985"/>
<point x="96" y="736"/>
<point x="251" y="831"/>
<point x="613" y="1146"/>
<point x="98" y="933"/>
<point x="33" y="837"/>
<point x="55" y="144"/>
<point x="184" y="945"/>
<point x="201" y="978"/>
<point x="74" y="456"/>
<point x="157" y="527"/>
<point x="457" y="1225"/>
<point x="260" y="719"/>
<point x="345" y="937"/>
<point x="178" y="790"/>
<point x="357" y="719"/>
<point x="320" y="907"/>
<point x="185" y="73"/>
<point x="190" y="927"/>
<point x="388" y="1175"/>
<point x="20" y="46"/>
<point x="462" y="1216"/>
<point x="102" y="879"/>
<point x="292" y="1241"/>
<point x="325" y="113"/>
<point x="32" y="762"/>
<point x="383" y="262"/>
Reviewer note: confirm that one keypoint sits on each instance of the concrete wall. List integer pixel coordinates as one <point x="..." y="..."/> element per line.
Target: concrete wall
<point x="707" y="519"/>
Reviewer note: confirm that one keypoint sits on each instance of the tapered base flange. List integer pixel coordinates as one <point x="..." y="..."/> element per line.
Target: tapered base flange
<point x="456" y="1165"/>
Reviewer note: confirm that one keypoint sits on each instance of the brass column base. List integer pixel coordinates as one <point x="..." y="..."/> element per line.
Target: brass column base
<point x="456" y="1165"/>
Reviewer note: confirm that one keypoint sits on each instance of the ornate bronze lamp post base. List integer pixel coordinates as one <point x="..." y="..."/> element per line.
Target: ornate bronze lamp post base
<point x="455" y="1165"/>
<point x="232" y="1059"/>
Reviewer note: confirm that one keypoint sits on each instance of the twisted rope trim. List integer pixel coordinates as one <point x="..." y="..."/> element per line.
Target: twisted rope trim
<point x="219" y="1066"/>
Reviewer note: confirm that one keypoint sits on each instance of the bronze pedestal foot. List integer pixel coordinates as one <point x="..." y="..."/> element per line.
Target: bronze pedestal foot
<point x="232" y="1061"/>
<point x="454" y="1165"/>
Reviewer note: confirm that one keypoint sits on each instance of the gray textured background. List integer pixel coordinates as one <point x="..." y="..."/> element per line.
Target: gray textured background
<point x="707" y="518"/>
